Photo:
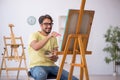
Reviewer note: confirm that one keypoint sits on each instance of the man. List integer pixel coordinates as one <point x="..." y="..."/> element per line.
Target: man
<point x="41" y="44"/>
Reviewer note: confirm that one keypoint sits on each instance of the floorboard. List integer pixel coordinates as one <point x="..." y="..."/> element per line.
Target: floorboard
<point x="92" y="77"/>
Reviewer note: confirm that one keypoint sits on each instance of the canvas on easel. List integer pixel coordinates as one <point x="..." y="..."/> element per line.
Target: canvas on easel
<point x="71" y="26"/>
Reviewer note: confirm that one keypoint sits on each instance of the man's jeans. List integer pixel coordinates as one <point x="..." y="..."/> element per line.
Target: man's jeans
<point x="41" y="72"/>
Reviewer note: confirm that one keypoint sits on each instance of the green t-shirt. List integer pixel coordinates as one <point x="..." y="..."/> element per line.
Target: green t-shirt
<point x="38" y="58"/>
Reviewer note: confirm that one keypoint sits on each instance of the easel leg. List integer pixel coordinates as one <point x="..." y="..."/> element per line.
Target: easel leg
<point x="72" y="67"/>
<point x="73" y="61"/>
<point x="82" y="51"/>
<point x="63" y="59"/>
<point x="2" y="62"/>
<point x="86" y="73"/>
<point x="84" y="69"/>
<point x="61" y="67"/>
<point x="26" y="69"/>
<point x="19" y="68"/>
<point x="1" y="67"/>
<point x="6" y="68"/>
<point x="81" y="72"/>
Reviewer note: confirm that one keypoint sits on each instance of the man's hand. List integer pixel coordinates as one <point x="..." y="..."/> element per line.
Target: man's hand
<point x="54" y="34"/>
<point x="54" y="58"/>
<point x="52" y="55"/>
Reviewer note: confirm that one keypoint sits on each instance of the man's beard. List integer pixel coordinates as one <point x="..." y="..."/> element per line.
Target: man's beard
<point x="46" y="31"/>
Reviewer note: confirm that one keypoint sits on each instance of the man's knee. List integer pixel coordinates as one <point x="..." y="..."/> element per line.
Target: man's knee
<point x="41" y="75"/>
<point x="38" y="73"/>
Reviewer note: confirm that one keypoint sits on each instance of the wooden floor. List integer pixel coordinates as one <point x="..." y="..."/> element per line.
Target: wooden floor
<point x="103" y="77"/>
<point x="93" y="77"/>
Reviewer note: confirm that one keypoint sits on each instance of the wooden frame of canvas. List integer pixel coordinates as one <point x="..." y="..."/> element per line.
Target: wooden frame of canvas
<point x="71" y="25"/>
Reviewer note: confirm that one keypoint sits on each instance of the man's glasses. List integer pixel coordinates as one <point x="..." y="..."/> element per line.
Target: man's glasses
<point x="47" y="24"/>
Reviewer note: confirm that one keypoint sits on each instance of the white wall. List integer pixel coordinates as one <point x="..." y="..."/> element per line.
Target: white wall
<point x="106" y="13"/>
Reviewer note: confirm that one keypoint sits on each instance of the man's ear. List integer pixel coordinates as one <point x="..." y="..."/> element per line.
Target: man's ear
<point x="41" y="25"/>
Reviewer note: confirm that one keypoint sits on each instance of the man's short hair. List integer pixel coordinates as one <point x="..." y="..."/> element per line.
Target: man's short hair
<point x="41" y="18"/>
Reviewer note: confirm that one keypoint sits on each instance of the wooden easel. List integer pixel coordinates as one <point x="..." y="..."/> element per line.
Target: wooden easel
<point x="75" y="42"/>
<point x="11" y="52"/>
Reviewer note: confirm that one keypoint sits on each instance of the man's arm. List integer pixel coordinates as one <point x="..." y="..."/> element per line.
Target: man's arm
<point x="36" y="45"/>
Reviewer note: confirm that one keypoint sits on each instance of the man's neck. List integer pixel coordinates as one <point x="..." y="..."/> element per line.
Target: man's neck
<point x="43" y="33"/>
